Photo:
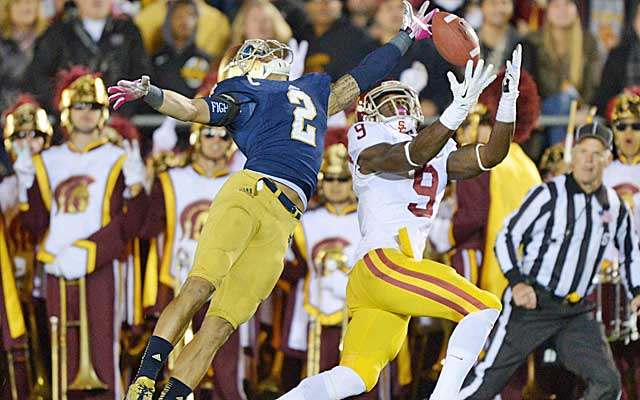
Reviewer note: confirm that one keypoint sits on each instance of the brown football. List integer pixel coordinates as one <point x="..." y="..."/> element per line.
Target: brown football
<point x="455" y="39"/>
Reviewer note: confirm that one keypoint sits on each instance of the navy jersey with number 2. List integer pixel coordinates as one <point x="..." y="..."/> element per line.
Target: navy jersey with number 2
<point x="281" y="126"/>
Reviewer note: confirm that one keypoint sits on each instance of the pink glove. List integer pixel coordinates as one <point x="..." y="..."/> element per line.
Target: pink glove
<point x="418" y="24"/>
<point x="126" y="91"/>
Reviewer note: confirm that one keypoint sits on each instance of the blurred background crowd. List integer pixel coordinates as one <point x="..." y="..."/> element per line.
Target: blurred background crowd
<point x="583" y="64"/>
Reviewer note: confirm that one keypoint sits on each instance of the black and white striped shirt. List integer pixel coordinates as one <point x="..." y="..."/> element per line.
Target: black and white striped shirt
<point x="563" y="233"/>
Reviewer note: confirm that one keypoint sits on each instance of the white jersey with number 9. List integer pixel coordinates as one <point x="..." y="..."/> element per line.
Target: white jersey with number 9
<point x="395" y="211"/>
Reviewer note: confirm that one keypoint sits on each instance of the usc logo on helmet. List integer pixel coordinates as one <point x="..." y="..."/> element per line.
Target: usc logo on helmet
<point x="72" y="194"/>
<point x="192" y="219"/>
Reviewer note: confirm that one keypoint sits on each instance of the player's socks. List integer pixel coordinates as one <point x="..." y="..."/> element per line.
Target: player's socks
<point x="175" y="390"/>
<point x="335" y="384"/>
<point x="465" y="344"/>
<point x="154" y="357"/>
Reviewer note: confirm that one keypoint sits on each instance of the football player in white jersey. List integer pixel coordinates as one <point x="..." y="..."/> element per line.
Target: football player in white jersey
<point x="400" y="179"/>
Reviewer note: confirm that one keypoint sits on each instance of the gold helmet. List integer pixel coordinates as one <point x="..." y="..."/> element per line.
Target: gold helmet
<point x="256" y="58"/>
<point x="391" y="102"/>
<point x="26" y="116"/>
<point x="87" y="88"/>
<point x="468" y="131"/>
<point x="335" y="161"/>
<point x="626" y="105"/>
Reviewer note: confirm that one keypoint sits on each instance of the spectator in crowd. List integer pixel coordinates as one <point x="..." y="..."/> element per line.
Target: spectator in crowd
<point x="21" y="21"/>
<point x="422" y="67"/>
<point x="180" y="65"/>
<point x="336" y="45"/>
<point x="259" y="19"/>
<point x="296" y="16"/>
<point x="361" y="12"/>
<point x="566" y="62"/>
<point x="497" y="36"/>
<point x="91" y="36"/>
<point x="212" y="37"/>
<point x="622" y="67"/>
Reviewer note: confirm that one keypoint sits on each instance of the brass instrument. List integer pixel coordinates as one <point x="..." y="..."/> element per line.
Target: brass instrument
<point x="568" y="142"/>
<point x="12" y="376"/>
<point x="55" y="393"/>
<point x="86" y="377"/>
<point x="324" y="257"/>
<point x="41" y="389"/>
<point x="531" y="390"/>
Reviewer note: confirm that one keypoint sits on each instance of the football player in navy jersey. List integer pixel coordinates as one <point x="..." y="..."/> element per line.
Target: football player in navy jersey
<point x="280" y="126"/>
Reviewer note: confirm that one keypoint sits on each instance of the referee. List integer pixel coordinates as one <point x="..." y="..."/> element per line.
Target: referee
<point x="550" y="250"/>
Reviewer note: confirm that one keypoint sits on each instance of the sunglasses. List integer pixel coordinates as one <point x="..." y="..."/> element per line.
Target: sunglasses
<point x="341" y="179"/>
<point x="87" y="106"/>
<point x="209" y="133"/>
<point x="25" y="134"/>
<point x="622" y="126"/>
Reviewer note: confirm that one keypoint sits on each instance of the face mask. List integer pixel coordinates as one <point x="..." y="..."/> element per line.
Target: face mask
<point x="406" y="125"/>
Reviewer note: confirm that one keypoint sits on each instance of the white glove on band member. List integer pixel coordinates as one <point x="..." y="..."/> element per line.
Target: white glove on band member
<point x="71" y="263"/>
<point x="25" y="170"/>
<point x="466" y="93"/>
<point x="133" y="168"/>
<point x="507" y="106"/>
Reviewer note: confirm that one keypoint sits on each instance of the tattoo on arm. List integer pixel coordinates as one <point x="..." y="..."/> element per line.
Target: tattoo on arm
<point x="343" y="92"/>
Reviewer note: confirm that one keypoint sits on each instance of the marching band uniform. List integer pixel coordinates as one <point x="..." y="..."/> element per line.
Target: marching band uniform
<point x="84" y="215"/>
<point x="25" y="122"/>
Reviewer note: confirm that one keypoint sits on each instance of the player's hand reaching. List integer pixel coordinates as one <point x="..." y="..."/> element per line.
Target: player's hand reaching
<point x="126" y="91"/>
<point x="467" y="92"/>
<point x="299" y="55"/>
<point x="417" y="25"/>
<point x="507" y="106"/>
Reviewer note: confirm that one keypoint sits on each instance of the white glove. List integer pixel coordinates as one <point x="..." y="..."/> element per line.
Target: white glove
<point x="25" y="171"/>
<point x="165" y="137"/>
<point x="299" y="55"/>
<point x="53" y="269"/>
<point x="71" y="263"/>
<point x="415" y="77"/>
<point x="19" y="266"/>
<point x="133" y="169"/>
<point x="507" y="106"/>
<point x="466" y="93"/>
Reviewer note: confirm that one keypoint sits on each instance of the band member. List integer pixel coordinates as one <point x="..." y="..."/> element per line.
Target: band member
<point x="85" y="200"/>
<point x="25" y="123"/>
<point x="181" y="197"/>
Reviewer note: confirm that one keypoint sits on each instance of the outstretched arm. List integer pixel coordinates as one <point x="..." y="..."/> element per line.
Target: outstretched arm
<point x="427" y="144"/>
<point x="380" y="62"/>
<point x="216" y="110"/>
<point x="471" y="160"/>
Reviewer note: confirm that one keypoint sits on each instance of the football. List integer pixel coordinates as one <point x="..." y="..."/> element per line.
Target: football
<point x="455" y="39"/>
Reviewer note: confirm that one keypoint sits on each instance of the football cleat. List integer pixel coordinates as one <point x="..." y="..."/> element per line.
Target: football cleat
<point x="141" y="389"/>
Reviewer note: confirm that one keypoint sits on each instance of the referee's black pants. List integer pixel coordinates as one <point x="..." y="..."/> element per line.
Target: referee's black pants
<point x="579" y="340"/>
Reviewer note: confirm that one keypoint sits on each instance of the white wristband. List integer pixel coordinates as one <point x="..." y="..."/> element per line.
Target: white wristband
<point x="507" y="108"/>
<point x="482" y="167"/>
<point x="408" y="156"/>
<point x="453" y="116"/>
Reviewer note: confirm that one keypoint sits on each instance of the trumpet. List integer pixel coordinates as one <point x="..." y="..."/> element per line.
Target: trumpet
<point x="86" y="377"/>
<point x="328" y="257"/>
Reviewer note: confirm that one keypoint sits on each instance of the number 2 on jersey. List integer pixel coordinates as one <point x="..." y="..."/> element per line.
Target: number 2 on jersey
<point x="425" y="187"/>
<point x="305" y="111"/>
